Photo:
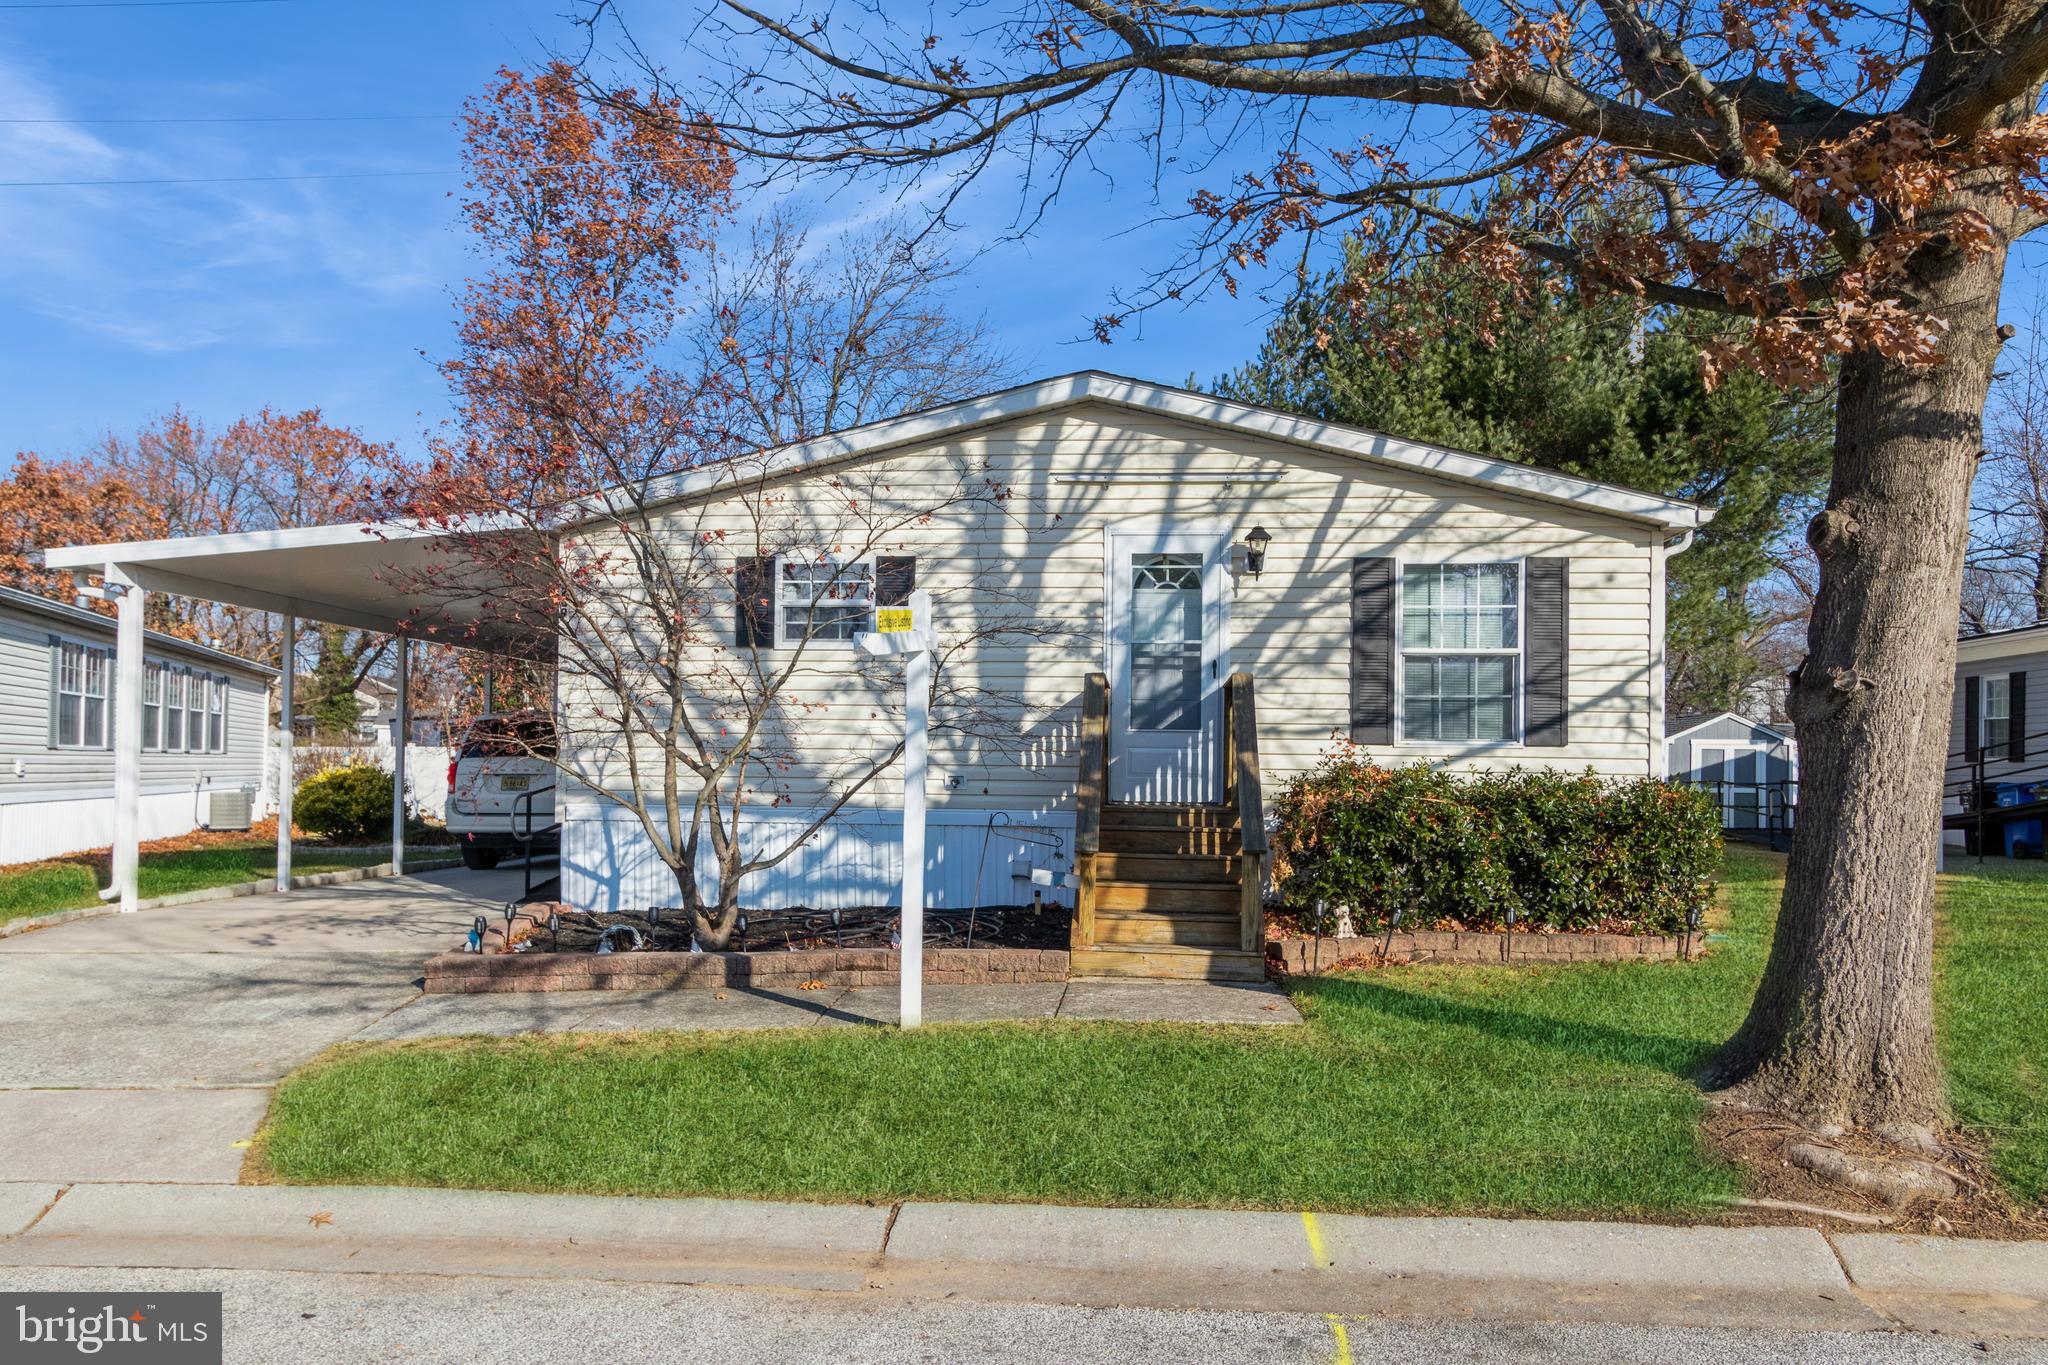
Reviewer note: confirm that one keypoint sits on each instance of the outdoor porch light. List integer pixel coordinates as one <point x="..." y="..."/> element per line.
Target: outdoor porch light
<point x="1255" y="550"/>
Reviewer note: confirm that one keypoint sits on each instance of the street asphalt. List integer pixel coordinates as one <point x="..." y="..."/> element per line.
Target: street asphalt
<point x="274" y="1316"/>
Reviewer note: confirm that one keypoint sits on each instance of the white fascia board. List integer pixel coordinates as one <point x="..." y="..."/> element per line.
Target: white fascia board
<point x="245" y="542"/>
<point x="2004" y="644"/>
<point x="1729" y="715"/>
<point x="1202" y="409"/>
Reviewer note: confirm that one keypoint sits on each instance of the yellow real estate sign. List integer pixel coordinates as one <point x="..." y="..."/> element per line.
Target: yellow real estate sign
<point x="892" y="620"/>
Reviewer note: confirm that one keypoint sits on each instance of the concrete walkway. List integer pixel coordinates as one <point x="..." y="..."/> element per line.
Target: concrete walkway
<point x="1450" y="1268"/>
<point x="144" y="1046"/>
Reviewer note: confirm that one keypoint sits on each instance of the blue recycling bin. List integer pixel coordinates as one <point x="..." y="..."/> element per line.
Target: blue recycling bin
<point x="2023" y="839"/>
<point x="2011" y="794"/>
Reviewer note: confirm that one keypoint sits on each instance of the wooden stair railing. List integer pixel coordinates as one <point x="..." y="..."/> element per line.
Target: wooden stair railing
<point x="1089" y="793"/>
<point x="1241" y="788"/>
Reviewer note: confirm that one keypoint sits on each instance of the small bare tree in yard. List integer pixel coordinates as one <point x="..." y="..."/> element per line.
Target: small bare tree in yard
<point x="1841" y="182"/>
<point x="701" y="645"/>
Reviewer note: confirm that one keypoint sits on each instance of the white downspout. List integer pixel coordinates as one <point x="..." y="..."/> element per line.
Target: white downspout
<point x="1660" y="756"/>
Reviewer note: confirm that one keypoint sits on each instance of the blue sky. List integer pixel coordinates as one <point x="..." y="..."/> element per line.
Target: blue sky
<point x="117" y="302"/>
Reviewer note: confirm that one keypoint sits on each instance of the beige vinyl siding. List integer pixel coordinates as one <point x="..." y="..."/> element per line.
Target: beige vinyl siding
<point x="1290" y="627"/>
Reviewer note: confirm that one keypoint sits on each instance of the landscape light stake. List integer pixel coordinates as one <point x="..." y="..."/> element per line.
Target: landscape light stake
<point x="1507" y="941"/>
<point x="742" y="927"/>
<point x="476" y="934"/>
<point x="1692" y="926"/>
<point x="1387" y="943"/>
<point x="554" y="931"/>
<point x="838" y="936"/>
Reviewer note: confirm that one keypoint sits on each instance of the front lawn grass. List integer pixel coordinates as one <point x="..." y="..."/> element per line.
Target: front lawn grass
<point x="1991" y="991"/>
<point x="71" y="884"/>
<point x="1552" y="1090"/>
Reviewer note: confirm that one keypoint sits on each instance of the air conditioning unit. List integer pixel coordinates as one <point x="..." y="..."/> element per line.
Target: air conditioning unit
<point x="228" y="809"/>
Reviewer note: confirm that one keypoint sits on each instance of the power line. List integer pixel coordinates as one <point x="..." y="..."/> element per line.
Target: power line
<point x="136" y="4"/>
<point x="336" y="175"/>
<point x="253" y="118"/>
<point x="208" y="180"/>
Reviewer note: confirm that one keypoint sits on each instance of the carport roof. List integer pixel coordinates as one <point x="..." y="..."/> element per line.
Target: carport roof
<point x="368" y="575"/>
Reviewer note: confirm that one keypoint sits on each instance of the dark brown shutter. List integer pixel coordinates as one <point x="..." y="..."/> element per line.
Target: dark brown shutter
<point x="1546" y="654"/>
<point x="753" y="582"/>
<point x="1973" y="716"/>
<point x="2018" y="710"/>
<point x="895" y="579"/>
<point x="1372" y="650"/>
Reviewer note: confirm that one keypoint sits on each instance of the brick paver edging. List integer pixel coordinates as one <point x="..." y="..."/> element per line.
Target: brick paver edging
<point x="1310" y="955"/>
<point x="476" y="973"/>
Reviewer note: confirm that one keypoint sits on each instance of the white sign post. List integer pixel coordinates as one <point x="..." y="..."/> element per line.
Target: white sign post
<point x="908" y="631"/>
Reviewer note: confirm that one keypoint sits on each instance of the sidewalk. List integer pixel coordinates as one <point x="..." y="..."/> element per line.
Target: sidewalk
<point x="1414" y="1268"/>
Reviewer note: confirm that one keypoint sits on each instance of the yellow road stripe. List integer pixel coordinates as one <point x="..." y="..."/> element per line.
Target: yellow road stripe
<point x="1315" y="1240"/>
<point x="1343" y="1356"/>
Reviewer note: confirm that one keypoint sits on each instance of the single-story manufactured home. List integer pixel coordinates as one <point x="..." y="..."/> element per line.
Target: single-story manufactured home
<point x="1423" y="603"/>
<point x="202" y="732"/>
<point x="1995" y="788"/>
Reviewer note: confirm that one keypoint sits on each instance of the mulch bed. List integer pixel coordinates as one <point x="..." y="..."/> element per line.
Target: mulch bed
<point x="665" y="929"/>
<point x="1757" y="1141"/>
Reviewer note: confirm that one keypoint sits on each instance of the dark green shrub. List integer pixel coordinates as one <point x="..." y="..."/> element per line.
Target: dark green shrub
<point x="349" y="804"/>
<point x="1563" y="851"/>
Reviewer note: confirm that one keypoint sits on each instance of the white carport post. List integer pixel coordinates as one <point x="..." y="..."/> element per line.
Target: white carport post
<point x="127" y="722"/>
<point x="289" y="665"/>
<point x="400" y="724"/>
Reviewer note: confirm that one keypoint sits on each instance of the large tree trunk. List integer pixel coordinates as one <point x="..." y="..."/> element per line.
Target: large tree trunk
<point x="1842" y="1029"/>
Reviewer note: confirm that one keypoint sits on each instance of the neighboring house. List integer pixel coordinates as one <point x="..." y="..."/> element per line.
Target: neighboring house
<point x="1425" y="603"/>
<point x="1998" y="747"/>
<point x="202" y="731"/>
<point x="1752" y="768"/>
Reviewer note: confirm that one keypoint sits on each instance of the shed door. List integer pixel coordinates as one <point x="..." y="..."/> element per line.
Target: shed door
<point x="1739" y="771"/>
<point x="1166" y="665"/>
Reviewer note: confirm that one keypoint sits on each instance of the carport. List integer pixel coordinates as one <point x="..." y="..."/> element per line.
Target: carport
<point x="411" y="581"/>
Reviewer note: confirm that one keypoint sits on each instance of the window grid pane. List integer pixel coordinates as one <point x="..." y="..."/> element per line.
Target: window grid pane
<point x="1460" y="606"/>
<point x="825" y="600"/>
<point x="1458" y="698"/>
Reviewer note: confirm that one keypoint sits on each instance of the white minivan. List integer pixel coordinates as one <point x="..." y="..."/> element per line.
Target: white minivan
<point x="501" y="789"/>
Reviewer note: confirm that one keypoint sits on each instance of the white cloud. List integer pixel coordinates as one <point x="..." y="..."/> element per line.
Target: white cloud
<point x="169" y="268"/>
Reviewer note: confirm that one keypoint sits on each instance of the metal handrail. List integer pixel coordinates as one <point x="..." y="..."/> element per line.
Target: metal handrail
<point x="1970" y="779"/>
<point x="525" y="840"/>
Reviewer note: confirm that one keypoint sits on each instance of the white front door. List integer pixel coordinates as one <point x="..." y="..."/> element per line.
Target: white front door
<point x="1166" y="664"/>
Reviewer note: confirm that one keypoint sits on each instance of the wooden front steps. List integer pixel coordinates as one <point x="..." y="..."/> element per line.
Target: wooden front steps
<point x="1167" y="897"/>
<point x="1170" y="891"/>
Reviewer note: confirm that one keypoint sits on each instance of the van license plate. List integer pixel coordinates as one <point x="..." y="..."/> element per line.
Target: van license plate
<point x="516" y="783"/>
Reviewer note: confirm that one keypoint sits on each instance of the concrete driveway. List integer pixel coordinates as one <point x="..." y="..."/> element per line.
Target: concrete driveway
<point x="142" y="1047"/>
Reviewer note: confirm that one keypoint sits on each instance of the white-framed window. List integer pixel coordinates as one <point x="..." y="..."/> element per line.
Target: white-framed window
<point x="823" y="598"/>
<point x="195" y="713"/>
<point x="174" y="710"/>
<point x="217" y="716"/>
<point x="152" y="706"/>
<point x="1995" y="716"/>
<point x="1461" y="646"/>
<point x="81" y="697"/>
